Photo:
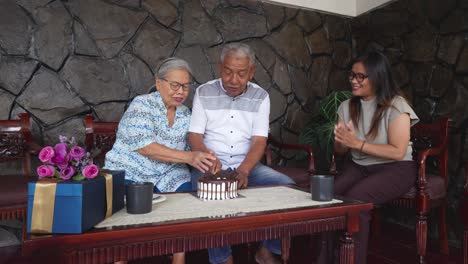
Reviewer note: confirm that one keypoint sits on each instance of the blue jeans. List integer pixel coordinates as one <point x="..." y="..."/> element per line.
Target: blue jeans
<point x="260" y="175"/>
<point x="186" y="186"/>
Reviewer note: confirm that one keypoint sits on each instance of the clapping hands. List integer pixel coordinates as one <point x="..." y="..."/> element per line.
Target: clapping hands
<point x="345" y="134"/>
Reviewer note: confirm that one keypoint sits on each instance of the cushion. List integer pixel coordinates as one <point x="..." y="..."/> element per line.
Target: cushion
<point x="299" y="175"/>
<point x="435" y="188"/>
<point x="14" y="190"/>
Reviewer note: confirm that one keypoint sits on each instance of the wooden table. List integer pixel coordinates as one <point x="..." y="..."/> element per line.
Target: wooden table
<point x="107" y="245"/>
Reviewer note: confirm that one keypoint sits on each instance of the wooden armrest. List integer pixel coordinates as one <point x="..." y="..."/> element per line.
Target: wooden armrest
<point x="305" y="148"/>
<point x="333" y="170"/>
<point x="31" y="146"/>
<point x="34" y="148"/>
<point x="278" y="144"/>
<point x="422" y="158"/>
<point x="423" y="154"/>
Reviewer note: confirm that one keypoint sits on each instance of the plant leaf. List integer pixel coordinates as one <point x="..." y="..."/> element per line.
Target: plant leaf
<point x="329" y="105"/>
<point x="57" y="174"/>
<point x="318" y="132"/>
<point x="78" y="177"/>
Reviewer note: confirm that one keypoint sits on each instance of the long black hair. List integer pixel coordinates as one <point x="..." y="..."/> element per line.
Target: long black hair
<point x="381" y="79"/>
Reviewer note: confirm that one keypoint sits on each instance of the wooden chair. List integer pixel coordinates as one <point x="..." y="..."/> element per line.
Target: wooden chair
<point x="100" y="136"/>
<point x="464" y="213"/>
<point x="16" y="144"/>
<point x="300" y="175"/>
<point x="430" y="190"/>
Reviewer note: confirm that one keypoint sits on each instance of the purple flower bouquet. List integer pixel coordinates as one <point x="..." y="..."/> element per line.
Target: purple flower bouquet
<point x="66" y="161"/>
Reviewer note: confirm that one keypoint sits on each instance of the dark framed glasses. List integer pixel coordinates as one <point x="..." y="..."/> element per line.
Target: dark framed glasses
<point x="176" y="85"/>
<point x="360" y="77"/>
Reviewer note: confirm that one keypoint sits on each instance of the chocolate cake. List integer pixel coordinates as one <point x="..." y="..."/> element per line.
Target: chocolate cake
<point x="219" y="186"/>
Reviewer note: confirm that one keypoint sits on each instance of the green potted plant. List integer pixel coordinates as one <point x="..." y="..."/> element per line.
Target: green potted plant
<point x="318" y="132"/>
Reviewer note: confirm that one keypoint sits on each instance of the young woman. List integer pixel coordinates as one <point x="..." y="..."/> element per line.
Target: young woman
<point x="374" y="126"/>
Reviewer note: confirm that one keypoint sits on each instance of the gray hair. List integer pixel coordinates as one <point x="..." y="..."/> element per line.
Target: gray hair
<point x="239" y="49"/>
<point x="170" y="64"/>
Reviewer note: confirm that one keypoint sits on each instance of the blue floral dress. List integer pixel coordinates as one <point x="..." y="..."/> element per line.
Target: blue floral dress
<point x="145" y="122"/>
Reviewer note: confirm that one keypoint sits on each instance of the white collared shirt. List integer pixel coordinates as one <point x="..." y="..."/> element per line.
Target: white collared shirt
<point x="228" y="123"/>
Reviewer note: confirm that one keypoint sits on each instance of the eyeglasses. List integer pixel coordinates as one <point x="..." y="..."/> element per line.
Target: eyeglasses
<point x="176" y="85"/>
<point x="360" y="77"/>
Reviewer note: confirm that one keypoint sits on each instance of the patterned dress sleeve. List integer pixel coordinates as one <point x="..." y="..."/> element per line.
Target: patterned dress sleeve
<point x="136" y="129"/>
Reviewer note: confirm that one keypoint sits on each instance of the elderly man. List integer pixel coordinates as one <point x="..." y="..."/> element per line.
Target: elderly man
<point x="230" y="117"/>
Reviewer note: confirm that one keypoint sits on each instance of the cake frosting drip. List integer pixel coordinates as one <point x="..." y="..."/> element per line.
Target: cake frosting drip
<point x="219" y="186"/>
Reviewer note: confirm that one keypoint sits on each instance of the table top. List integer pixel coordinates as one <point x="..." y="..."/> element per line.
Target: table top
<point x="186" y="206"/>
<point x="223" y="221"/>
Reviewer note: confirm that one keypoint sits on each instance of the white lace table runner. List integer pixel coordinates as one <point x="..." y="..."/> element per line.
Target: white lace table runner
<point x="180" y="206"/>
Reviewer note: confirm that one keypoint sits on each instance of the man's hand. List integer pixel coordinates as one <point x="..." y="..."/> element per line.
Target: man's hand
<point x="242" y="175"/>
<point x="257" y="148"/>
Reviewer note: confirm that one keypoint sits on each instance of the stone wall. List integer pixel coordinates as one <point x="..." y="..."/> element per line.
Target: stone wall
<point x="427" y="43"/>
<point x="61" y="60"/>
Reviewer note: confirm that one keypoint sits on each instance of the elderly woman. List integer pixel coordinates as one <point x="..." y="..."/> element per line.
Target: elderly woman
<point x="151" y="141"/>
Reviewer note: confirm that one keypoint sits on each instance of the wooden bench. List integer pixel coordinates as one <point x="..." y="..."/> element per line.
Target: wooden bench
<point x="16" y="144"/>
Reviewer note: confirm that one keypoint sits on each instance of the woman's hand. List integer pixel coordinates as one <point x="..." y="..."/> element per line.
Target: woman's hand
<point x="202" y="161"/>
<point x="398" y="134"/>
<point x="344" y="134"/>
<point x="339" y="148"/>
<point x="216" y="165"/>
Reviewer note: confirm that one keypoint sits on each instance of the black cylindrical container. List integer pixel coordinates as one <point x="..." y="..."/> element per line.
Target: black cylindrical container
<point x="139" y="197"/>
<point x="322" y="187"/>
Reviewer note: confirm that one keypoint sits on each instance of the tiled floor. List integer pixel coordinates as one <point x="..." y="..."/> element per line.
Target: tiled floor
<point x="398" y="246"/>
<point x="394" y="246"/>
